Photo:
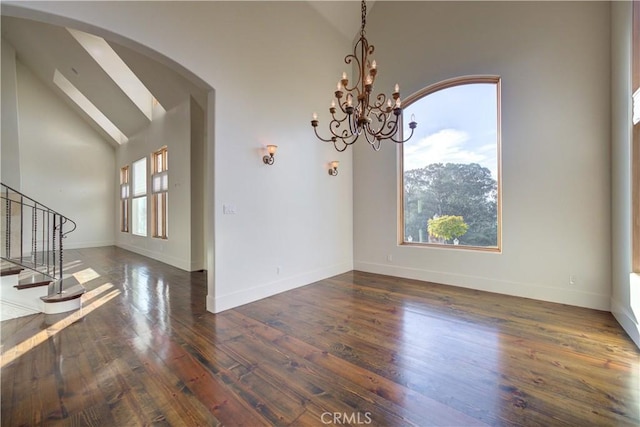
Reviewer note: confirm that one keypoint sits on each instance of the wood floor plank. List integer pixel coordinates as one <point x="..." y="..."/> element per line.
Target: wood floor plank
<point x="351" y="349"/>
<point x="578" y="388"/>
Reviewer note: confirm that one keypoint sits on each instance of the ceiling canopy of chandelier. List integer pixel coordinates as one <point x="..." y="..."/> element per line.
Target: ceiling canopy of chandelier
<point x="355" y="112"/>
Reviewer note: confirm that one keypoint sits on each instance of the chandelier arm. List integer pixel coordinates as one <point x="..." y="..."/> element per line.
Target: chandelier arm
<point x="344" y="145"/>
<point x="381" y="98"/>
<point x="392" y="126"/>
<point x="376" y="144"/>
<point x="382" y="120"/>
<point x="315" y="129"/>
<point x="353" y="124"/>
<point x="335" y="119"/>
<point x="369" y="136"/>
<point x="348" y="60"/>
<point x="377" y="120"/>
<point x="347" y="139"/>
<point x="338" y="131"/>
<point x="404" y="140"/>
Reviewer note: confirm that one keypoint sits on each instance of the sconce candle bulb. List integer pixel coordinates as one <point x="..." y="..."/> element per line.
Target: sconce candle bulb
<point x="271" y="149"/>
<point x="333" y="170"/>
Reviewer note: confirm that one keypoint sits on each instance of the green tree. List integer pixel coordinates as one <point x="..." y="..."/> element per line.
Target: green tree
<point x="447" y="227"/>
<point x="457" y="189"/>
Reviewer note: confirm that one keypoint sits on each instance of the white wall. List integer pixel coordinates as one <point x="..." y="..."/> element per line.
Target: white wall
<point x="198" y="168"/>
<point x="171" y="129"/>
<point x="272" y="64"/>
<point x="553" y="58"/>
<point x="10" y="139"/>
<point x="625" y="296"/>
<point x="64" y="163"/>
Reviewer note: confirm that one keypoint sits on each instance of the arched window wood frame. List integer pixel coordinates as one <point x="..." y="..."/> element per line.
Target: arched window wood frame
<point x="635" y="148"/>
<point x="405" y="240"/>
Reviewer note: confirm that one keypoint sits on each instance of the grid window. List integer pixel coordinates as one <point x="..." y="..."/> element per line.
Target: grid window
<point x="139" y="201"/>
<point x="160" y="193"/>
<point x="124" y="199"/>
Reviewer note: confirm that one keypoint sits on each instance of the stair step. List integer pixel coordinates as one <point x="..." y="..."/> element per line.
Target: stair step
<point x="10" y="271"/>
<point x="67" y="295"/>
<point x="33" y="281"/>
<point x="71" y="289"/>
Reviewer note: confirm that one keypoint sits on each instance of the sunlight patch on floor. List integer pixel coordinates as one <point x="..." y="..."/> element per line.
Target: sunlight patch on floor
<point x="102" y="295"/>
<point x="86" y="275"/>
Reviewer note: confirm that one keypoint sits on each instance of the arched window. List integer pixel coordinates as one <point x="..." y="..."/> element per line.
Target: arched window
<point x="450" y="169"/>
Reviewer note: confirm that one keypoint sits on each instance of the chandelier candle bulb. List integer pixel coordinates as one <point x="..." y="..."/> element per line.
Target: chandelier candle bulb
<point x="314" y="116"/>
<point x="396" y="88"/>
<point x="373" y="117"/>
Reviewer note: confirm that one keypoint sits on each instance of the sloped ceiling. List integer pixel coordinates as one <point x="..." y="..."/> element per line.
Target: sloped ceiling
<point x="43" y="48"/>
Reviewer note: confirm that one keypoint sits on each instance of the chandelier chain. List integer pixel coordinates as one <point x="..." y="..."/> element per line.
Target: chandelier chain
<point x="363" y="9"/>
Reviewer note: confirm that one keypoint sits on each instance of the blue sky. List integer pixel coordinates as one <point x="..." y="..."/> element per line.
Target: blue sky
<point x="455" y="125"/>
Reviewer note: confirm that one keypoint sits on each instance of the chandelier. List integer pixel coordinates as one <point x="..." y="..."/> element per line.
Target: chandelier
<point x="357" y="112"/>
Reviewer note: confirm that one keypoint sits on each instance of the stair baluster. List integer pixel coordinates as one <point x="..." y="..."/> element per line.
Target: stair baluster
<point x="41" y="222"/>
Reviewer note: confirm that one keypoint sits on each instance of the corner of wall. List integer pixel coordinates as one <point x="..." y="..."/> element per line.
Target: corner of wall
<point x="629" y="317"/>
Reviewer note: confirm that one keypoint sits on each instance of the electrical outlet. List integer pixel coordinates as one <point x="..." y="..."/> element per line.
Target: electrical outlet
<point x="278" y="270"/>
<point x="572" y="279"/>
<point x="389" y="258"/>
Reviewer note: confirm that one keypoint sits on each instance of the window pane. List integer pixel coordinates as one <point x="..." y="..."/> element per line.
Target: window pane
<point x="450" y="168"/>
<point x="124" y="175"/>
<point x="140" y="177"/>
<point x="160" y="182"/>
<point x="124" y="215"/>
<point x="139" y="216"/>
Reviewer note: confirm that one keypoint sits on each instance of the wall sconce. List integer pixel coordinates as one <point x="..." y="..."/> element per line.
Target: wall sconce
<point x="271" y="149"/>
<point x="333" y="171"/>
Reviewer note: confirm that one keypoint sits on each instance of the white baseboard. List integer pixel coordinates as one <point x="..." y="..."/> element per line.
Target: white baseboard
<point x="629" y="316"/>
<point x="236" y="299"/>
<point x="83" y="245"/>
<point x="627" y="320"/>
<point x="525" y="290"/>
<point x="159" y="256"/>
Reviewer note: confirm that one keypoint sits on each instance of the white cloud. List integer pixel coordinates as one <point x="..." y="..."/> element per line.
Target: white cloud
<point x="448" y="146"/>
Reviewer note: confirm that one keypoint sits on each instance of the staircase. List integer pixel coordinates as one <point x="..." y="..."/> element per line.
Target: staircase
<point x="32" y="278"/>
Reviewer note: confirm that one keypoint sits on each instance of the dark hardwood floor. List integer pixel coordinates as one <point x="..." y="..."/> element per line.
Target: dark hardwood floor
<point x="358" y="349"/>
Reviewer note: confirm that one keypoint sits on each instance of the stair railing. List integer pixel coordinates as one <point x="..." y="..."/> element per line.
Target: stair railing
<point x="33" y="234"/>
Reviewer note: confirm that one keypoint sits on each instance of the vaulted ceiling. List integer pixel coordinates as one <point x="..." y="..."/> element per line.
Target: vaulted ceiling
<point x="45" y="48"/>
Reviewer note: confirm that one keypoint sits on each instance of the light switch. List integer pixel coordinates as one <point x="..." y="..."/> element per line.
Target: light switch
<point x="229" y="209"/>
